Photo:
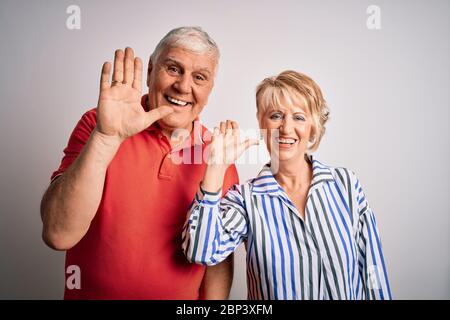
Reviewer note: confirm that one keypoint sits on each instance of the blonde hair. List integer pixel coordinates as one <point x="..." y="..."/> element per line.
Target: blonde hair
<point x="290" y="85"/>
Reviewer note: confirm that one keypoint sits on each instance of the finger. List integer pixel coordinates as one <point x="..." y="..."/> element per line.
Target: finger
<point x="118" y="66"/>
<point x="248" y="143"/>
<point x="215" y="134"/>
<point x="235" y="127"/>
<point x="128" y="66"/>
<point x="157" y="113"/>
<point x="104" y="79"/>
<point x="229" y="129"/>
<point x="137" y="81"/>
<point x="222" y="127"/>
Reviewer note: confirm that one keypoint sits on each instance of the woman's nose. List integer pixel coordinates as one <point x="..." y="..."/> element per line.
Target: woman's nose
<point x="286" y="126"/>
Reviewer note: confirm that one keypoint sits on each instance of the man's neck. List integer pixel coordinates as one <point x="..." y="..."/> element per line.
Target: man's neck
<point x="177" y="136"/>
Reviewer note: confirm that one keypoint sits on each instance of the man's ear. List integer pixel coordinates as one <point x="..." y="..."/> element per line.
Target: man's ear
<point x="149" y="70"/>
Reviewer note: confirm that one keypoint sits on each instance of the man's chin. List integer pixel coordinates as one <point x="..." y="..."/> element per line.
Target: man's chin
<point x="170" y="124"/>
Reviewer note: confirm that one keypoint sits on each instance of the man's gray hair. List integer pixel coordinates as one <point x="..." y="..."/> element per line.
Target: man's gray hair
<point x="190" y="38"/>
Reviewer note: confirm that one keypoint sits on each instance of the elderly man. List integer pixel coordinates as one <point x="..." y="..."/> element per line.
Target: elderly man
<point x="118" y="201"/>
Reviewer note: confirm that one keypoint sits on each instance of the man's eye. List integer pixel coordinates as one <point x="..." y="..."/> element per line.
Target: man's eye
<point x="173" y="69"/>
<point x="199" y="77"/>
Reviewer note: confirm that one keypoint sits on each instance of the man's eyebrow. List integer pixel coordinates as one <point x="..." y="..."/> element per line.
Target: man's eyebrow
<point x="172" y="60"/>
<point x="205" y="70"/>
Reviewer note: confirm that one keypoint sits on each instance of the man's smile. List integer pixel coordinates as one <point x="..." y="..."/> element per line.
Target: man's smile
<point x="176" y="102"/>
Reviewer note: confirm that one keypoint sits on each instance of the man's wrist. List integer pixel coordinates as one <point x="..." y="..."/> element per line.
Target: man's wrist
<point x="107" y="141"/>
<point x="104" y="147"/>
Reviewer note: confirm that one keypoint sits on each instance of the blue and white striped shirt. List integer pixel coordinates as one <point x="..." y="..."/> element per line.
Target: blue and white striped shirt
<point x="334" y="253"/>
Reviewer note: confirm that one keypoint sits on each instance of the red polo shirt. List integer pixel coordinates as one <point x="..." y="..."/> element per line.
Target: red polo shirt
<point x="132" y="249"/>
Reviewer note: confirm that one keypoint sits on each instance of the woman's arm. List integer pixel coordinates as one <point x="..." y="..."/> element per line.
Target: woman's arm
<point x="216" y="227"/>
<point x="372" y="266"/>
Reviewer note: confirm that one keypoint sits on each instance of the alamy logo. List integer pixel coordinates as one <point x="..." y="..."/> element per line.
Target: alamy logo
<point x="74" y="277"/>
<point x="374" y="18"/>
<point x="73" y="21"/>
<point x="373" y="277"/>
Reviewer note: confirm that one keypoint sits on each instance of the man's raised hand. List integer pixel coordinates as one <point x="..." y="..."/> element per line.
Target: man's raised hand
<point x="119" y="111"/>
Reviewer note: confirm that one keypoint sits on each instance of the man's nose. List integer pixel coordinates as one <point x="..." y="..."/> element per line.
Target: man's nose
<point x="183" y="84"/>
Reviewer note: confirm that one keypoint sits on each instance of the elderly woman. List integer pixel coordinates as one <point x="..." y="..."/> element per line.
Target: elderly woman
<point x="308" y="229"/>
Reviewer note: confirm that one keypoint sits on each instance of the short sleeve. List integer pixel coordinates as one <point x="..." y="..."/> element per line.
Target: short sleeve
<point x="79" y="137"/>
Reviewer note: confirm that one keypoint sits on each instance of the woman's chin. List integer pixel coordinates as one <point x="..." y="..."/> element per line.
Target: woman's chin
<point x="287" y="156"/>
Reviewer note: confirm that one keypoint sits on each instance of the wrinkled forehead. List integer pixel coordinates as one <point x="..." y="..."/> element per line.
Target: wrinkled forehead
<point x="282" y="98"/>
<point x="186" y="57"/>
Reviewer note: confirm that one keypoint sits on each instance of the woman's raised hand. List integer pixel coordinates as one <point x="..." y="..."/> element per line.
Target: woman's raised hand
<point x="226" y="145"/>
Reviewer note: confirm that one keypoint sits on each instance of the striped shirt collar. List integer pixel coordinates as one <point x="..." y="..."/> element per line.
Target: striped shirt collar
<point x="265" y="182"/>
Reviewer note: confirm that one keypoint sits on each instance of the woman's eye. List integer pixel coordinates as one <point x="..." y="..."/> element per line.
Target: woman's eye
<point x="299" y="118"/>
<point x="275" y="116"/>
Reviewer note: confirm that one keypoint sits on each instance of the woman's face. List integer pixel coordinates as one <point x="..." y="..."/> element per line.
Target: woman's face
<point x="287" y="130"/>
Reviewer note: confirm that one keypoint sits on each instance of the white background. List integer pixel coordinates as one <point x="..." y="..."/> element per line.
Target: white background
<point x="387" y="89"/>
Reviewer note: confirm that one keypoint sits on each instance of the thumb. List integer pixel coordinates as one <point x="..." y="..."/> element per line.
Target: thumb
<point x="157" y="113"/>
<point x="247" y="144"/>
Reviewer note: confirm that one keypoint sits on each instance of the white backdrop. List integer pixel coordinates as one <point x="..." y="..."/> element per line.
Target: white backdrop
<point x="387" y="89"/>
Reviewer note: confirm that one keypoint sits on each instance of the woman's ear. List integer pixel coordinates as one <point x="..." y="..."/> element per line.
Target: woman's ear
<point x="312" y="135"/>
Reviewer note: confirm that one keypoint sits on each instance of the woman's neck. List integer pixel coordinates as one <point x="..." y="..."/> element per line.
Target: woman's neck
<point x="294" y="175"/>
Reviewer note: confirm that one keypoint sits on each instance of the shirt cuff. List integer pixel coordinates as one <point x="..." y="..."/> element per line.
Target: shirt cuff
<point x="208" y="198"/>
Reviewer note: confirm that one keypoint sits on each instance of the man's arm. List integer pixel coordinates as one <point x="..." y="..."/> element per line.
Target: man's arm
<point x="217" y="281"/>
<point x="71" y="201"/>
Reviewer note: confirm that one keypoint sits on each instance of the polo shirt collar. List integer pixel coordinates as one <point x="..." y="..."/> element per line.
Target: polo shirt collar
<point x="265" y="182"/>
<point x="195" y="138"/>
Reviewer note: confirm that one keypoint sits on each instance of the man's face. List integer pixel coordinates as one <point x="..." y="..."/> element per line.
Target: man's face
<point x="183" y="80"/>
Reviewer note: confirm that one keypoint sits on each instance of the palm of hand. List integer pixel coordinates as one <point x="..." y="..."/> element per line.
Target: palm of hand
<point x="224" y="149"/>
<point x="226" y="145"/>
<point x="120" y="112"/>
